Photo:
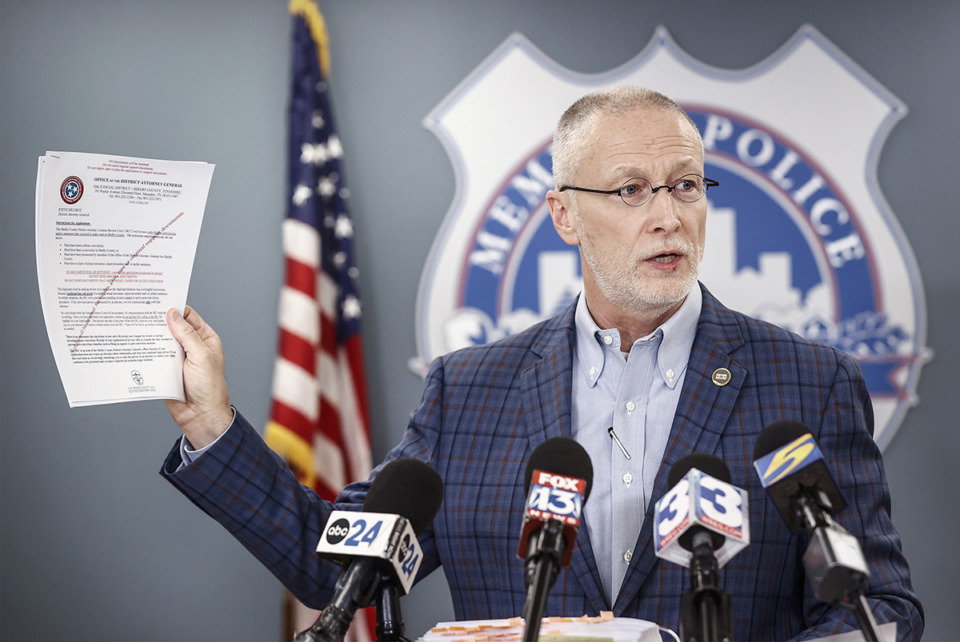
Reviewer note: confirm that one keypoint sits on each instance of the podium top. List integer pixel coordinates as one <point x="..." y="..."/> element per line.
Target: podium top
<point x="552" y="629"/>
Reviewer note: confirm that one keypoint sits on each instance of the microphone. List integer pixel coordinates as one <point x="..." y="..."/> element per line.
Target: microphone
<point x="700" y="524"/>
<point x="379" y="548"/>
<point x="793" y="471"/>
<point x="558" y="480"/>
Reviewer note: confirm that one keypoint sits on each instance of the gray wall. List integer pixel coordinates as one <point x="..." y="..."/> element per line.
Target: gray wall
<point x="95" y="545"/>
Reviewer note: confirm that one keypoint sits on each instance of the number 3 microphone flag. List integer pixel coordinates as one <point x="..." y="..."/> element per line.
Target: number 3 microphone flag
<point x="319" y="418"/>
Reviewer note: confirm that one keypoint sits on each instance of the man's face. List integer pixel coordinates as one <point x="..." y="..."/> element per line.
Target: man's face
<point x="638" y="259"/>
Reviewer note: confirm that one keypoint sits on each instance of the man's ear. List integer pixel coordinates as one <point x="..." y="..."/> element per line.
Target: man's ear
<point x="560" y="214"/>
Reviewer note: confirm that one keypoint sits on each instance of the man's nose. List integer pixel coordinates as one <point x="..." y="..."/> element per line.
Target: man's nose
<point x="662" y="211"/>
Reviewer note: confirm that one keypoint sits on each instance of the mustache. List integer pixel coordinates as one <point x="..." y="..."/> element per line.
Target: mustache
<point x="682" y="247"/>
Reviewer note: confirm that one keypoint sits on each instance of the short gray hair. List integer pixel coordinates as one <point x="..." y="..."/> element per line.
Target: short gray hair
<point x="578" y="122"/>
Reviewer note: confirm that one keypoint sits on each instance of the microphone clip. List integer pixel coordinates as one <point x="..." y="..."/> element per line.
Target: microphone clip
<point x="705" y="609"/>
<point x="540" y="572"/>
<point x="390" y="626"/>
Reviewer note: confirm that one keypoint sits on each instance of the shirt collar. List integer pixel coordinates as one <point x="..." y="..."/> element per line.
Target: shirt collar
<point x="677" y="334"/>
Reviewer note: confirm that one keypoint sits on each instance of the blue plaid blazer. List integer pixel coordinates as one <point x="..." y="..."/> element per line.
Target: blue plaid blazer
<point x="485" y="409"/>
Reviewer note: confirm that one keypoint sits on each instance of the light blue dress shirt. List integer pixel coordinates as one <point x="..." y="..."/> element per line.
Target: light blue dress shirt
<point x="637" y="397"/>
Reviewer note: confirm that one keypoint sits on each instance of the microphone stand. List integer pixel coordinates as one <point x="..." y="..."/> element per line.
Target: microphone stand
<point x="540" y="574"/>
<point x="705" y="611"/>
<point x="335" y="619"/>
<point x="834" y="562"/>
<point x="868" y="625"/>
<point x="389" y="619"/>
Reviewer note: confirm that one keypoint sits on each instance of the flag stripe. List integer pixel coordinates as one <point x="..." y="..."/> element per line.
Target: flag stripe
<point x="353" y="414"/>
<point x="301" y="242"/>
<point x="298" y="351"/>
<point x="295" y="387"/>
<point x="299" y="315"/>
<point x="301" y="277"/>
<point x="326" y="458"/>
<point x="328" y="296"/>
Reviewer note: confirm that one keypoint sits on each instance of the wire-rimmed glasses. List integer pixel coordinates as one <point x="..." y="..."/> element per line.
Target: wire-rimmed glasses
<point x="637" y="191"/>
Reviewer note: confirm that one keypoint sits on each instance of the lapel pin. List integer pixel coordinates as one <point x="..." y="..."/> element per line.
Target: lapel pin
<point x="721" y="377"/>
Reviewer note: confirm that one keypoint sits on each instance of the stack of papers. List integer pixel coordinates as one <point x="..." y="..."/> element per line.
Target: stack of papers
<point x="558" y="629"/>
<point x="116" y="238"/>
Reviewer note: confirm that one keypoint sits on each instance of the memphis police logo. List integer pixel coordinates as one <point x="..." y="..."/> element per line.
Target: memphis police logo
<point x="798" y="234"/>
<point x="71" y="189"/>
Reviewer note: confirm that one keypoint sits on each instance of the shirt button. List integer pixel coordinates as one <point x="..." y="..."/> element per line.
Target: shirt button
<point x="628" y="556"/>
<point x="670" y="374"/>
<point x="627" y="478"/>
<point x="631" y="406"/>
<point x="608" y="339"/>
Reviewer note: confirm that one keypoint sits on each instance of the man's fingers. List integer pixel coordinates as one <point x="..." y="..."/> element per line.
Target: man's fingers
<point x="191" y="330"/>
<point x="182" y="330"/>
<point x="185" y="332"/>
<point x="204" y="331"/>
<point x="206" y="413"/>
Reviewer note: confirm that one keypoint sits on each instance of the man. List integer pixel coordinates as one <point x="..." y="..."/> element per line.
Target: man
<point x="647" y="356"/>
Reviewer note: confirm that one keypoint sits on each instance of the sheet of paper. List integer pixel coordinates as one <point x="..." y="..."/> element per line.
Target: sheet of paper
<point x="116" y="237"/>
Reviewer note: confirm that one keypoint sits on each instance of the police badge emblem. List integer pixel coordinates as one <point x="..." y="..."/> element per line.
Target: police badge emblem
<point x="800" y="235"/>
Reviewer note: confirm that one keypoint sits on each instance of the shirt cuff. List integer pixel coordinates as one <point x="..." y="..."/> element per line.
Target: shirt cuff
<point x="189" y="455"/>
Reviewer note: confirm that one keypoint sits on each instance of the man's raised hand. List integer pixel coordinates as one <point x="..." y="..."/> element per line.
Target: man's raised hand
<point x="207" y="413"/>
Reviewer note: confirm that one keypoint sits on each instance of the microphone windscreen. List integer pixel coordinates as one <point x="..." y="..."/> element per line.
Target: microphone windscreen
<point x="777" y="435"/>
<point x="561" y="456"/>
<point x="708" y="464"/>
<point x="409" y="488"/>
<point x="790" y="463"/>
<point x="713" y="466"/>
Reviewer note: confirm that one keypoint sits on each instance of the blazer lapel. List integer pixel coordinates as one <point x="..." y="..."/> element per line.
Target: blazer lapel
<point x="546" y="392"/>
<point x="710" y="390"/>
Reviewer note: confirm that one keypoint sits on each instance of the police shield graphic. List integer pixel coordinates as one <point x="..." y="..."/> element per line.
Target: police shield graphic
<point x="798" y="234"/>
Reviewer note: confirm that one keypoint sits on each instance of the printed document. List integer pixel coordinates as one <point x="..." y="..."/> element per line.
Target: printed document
<point x="116" y="238"/>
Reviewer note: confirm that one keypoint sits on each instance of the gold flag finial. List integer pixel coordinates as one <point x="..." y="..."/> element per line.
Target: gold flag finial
<point x="318" y="29"/>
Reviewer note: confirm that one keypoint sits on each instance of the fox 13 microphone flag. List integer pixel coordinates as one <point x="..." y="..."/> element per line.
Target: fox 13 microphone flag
<point x="319" y="416"/>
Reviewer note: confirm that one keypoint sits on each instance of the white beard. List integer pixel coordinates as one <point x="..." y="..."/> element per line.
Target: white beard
<point x="619" y="284"/>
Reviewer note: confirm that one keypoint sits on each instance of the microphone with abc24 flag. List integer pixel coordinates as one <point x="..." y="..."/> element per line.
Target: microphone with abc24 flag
<point x="558" y="478"/>
<point x="793" y="471"/>
<point x="700" y="524"/>
<point x="379" y="549"/>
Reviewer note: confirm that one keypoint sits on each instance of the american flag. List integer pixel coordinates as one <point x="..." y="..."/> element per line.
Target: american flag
<point x="319" y="419"/>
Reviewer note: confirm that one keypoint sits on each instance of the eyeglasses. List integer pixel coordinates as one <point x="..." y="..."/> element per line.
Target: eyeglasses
<point x="637" y="191"/>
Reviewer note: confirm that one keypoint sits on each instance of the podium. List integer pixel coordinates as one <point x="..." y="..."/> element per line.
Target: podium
<point x="604" y="628"/>
<point x="560" y="629"/>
